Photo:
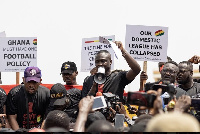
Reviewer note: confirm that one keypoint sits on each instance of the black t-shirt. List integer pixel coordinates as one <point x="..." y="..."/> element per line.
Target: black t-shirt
<point x="3" y="97"/>
<point x="194" y="90"/>
<point x="37" y="104"/>
<point x="115" y="83"/>
<point x="75" y="97"/>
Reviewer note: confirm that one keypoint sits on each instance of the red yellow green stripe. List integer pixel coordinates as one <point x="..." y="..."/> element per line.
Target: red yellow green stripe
<point x="95" y="41"/>
<point x="159" y="33"/>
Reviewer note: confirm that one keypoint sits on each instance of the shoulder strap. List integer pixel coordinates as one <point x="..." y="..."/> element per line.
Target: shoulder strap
<point x="109" y="77"/>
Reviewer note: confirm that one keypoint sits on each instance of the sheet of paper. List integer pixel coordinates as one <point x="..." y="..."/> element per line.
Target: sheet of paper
<point x="116" y="50"/>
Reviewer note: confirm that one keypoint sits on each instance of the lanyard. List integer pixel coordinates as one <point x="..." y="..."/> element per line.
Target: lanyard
<point x="27" y="109"/>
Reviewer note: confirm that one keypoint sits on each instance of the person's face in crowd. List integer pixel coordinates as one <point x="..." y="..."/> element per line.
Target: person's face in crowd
<point x="32" y="86"/>
<point x="103" y="60"/>
<point x="168" y="73"/>
<point x="70" y="79"/>
<point x="184" y="75"/>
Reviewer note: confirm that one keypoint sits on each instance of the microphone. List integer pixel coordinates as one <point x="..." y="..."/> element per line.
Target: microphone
<point x="100" y="75"/>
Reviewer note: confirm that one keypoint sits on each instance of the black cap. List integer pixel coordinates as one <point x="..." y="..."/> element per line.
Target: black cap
<point x="58" y="94"/>
<point x="92" y="117"/>
<point x="68" y="67"/>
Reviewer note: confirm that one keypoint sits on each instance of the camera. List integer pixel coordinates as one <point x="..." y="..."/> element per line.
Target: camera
<point x="141" y="99"/>
<point x="170" y="88"/>
<point x="111" y="101"/>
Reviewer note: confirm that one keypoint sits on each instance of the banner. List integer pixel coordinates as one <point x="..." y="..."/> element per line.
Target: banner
<point x="17" y="53"/>
<point x="147" y="43"/>
<point x="91" y="46"/>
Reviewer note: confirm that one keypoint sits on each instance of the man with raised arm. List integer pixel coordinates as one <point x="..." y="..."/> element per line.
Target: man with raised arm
<point x="115" y="81"/>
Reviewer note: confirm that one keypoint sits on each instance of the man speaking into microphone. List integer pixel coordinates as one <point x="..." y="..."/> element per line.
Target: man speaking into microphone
<point x="115" y="81"/>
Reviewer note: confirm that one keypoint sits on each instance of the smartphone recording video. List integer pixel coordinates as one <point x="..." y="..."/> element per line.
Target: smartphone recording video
<point x="195" y="102"/>
<point x="141" y="99"/>
<point x="99" y="102"/>
<point x="119" y="120"/>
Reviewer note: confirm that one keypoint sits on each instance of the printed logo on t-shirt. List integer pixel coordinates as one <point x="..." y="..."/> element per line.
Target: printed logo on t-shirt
<point x="38" y="118"/>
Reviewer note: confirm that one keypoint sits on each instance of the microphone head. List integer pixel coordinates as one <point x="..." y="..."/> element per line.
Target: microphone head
<point x="99" y="78"/>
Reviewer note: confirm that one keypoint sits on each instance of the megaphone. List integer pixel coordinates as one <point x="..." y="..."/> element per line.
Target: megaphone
<point x="100" y="75"/>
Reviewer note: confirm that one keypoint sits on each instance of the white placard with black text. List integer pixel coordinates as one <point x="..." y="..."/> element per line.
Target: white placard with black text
<point x="90" y="46"/>
<point x="147" y="43"/>
<point x="17" y="53"/>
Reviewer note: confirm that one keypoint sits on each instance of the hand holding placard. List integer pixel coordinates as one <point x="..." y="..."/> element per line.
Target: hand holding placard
<point x="116" y="46"/>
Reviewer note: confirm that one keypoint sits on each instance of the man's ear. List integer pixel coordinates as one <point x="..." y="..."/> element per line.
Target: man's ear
<point x="40" y="80"/>
<point x="191" y="73"/>
<point x="23" y="79"/>
<point x="76" y="73"/>
<point x="110" y="61"/>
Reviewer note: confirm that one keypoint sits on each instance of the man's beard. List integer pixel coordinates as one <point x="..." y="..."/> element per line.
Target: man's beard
<point x="166" y="82"/>
<point x="71" y="82"/>
<point x="184" y="81"/>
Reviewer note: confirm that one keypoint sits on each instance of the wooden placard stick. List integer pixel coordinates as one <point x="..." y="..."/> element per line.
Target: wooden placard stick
<point x="17" y="77"/>
<point x="144" y="81"/>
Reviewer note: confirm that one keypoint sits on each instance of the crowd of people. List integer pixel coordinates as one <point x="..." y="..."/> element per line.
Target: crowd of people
<point x="31" y="107"/>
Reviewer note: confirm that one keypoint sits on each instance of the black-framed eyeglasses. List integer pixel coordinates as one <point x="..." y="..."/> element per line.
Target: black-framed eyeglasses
<point x="169" y="71"/>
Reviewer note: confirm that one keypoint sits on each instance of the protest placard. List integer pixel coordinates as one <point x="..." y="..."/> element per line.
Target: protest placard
<point x="17" y="53"/>
<point x="3" y="34"/>
<point x="147" y="43"/>
<point x="91" y="46"/>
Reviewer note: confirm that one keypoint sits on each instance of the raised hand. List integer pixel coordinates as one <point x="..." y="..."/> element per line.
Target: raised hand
<point x="183" y="103"/>
<point x="195" y="59"/>
<point x="85" y="105"/>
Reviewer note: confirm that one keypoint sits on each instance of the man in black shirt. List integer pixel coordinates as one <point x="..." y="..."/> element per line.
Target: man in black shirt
<point x="115" y="81"/>
<point x="3" y="119"/>
<point x="26" y="104"/>
<point x="168" y="77"/>
<point x="69" y="73"/>
<point x="185" y="79"/>
<point x="69" y="91"/>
